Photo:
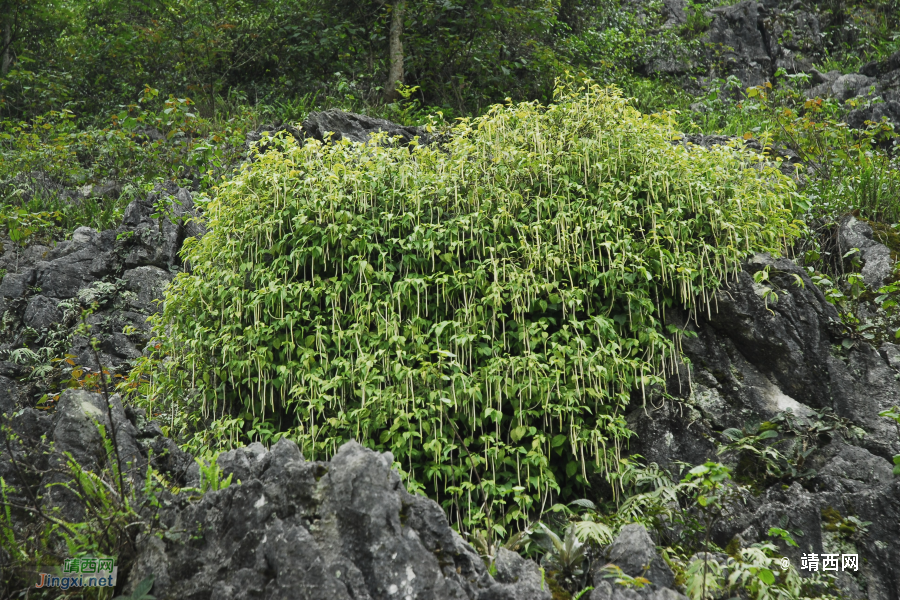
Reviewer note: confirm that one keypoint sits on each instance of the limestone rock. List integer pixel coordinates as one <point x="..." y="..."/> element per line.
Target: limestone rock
<point x="634" y="552"/>
<point x="346" y="528"/>
<point x="876" y="257"/>
<point x="147" y="283"/>
<point x="356" y="128"/>
<point x="752" y="361"/>
<point x="736" y="34"/>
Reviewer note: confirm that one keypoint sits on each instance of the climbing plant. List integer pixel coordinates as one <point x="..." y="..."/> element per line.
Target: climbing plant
<point x="484" y="307"/>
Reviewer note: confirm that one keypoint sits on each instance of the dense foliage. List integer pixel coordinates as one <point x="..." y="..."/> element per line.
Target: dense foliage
<point x="488" y="304"/>
<point x="95" y="54"/>
<point x="92" y="56"/>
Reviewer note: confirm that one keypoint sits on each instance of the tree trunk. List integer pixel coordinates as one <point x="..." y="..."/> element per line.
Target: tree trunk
<point x="7" y="50"/>
<point x="395" y="52"/>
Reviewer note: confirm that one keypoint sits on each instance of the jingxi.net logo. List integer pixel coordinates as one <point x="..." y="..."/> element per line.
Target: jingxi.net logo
<point x="79" y="572"/>
<point x="829" y="562"/>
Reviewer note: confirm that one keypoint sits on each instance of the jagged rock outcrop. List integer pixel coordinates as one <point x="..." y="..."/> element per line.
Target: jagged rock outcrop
<point x="749" y="40"/>
<point x="345" y="528"/>
<point x="356" y="128"/>
<point x="635" y="554"/>
<point x="285" y="527"/>
<point x="156" y="226"/>
<point x="875" y="80"/>
<point x="124" y="271"/>
<point x="877" y="263"/>
<point x="889" y="111"/>
<point x="742" y="42"/>
<point x="756" y="359"/>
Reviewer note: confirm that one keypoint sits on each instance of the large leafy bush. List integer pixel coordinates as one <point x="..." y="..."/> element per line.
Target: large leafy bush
<point x="484" y="309"/>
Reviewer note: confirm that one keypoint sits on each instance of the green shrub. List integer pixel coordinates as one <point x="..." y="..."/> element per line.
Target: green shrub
<point x="484" y="309"/>
<point x="41" y="159"/>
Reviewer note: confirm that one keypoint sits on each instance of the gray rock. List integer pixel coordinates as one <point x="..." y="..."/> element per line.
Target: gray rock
<point x="750" y="362"/>
<point x="850" y="482"/>
<point x="877" y="112"/>
<point x="243" y="463"/>
<point x="880" y="79"/>
<point x="828" y="77"/>
<point x="850" y="86"/>
<point x="8" y="393"/>
<point x="15" y="285"/>
<point x="889" y="88"/>
<point x="108" y="189"/>
<point x="165" y="455"/>
<point x="761" y="363"/>
<point x="42" y="313"/>
<point x="876" y="257"/>
<point x="891" y="353"/>
<point x="823" y="83"/>
<point x="156" y="226"/>
<point x="736" y="36"/>
<point x="795" y="39"/>
<point x="147" y="283"/>
<point x="675" y="12"/>
<point x="342" y="529"/>
<point x="76" y="433"/>
<point x="604" y="590"/>
<point x="634" y="552"/>
<point x="118" y="345"/>
<point x="852" y="470"/>
<point x="523" y="578"/>
<point x="750" y="40"/>
<point x="880" y="68"/>
<point x="192" y="476"/>
<point x="356" y="128"/>
<point x="75" y="264"/>
<point x="670" y="65"/>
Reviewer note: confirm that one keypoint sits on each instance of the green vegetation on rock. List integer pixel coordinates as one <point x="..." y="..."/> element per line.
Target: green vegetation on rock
<point x="490" y="303"/>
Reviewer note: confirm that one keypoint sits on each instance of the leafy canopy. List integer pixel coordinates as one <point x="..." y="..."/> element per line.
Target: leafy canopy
<point x="483" y="309"/>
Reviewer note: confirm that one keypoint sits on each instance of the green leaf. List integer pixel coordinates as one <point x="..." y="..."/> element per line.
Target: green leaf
<point x="766" y="576"/>
<point x="583" y="503"/>
<point x="144" y="586"/>
<point x="733" y="434"/>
